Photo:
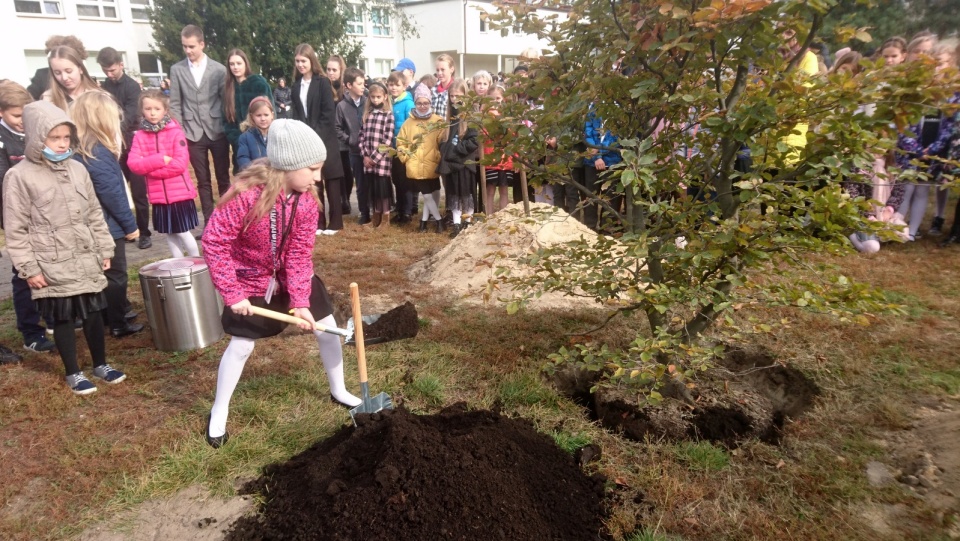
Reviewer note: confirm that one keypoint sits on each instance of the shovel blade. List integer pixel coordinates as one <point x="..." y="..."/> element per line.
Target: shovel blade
<point x="372" y="404"/>
<point x="352" y="328"/>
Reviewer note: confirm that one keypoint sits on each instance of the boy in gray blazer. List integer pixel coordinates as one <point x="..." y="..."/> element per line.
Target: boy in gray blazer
<point x="196" y="102"/>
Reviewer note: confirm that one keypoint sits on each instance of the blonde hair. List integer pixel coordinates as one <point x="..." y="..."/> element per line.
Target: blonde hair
<point x="448" y="59"/>
<point x="919" y="40"/>
<point x="850" y="58"/>
<point x="97" y="118"/>
<point x="255" y="105"/>
<point x="387" y="100"/>
<point x="948" y="47"/>
<point x="273" y="181"/>
<point x="13" y="95"/>
<point x="57" y="94"/>
<point x="455" y="85"/>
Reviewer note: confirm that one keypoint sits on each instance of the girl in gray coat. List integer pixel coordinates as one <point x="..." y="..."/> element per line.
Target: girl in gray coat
<point x="58" y="239"/>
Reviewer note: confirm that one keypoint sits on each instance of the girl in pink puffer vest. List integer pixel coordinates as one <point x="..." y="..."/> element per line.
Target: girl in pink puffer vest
<point x="159" y="153"/>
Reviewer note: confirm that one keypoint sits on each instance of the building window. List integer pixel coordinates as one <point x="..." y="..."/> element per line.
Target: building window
<point x="98" y="9"/>
<point x="517" y="27"/>
<point x="140" y="10"/>
<point x="483" y="24"/>
<point x="362" y="64"/>
<point x="38" y="7"/>
<point x="151" y="70"/>
<point x="382" y="67"/>
<point x="355" y="23"/>
<point x="380" y="18"/>
<point x="504" y="32"/>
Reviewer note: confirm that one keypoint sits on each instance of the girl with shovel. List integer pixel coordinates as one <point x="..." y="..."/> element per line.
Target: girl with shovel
<point x="258" y="245"/>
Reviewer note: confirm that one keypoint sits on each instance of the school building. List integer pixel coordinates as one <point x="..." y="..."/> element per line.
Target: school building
<point x="459" y="28"/>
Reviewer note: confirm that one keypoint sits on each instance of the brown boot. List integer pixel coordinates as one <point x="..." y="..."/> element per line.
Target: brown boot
<point x="377" y="219"/>
<point x="386" y="218"/>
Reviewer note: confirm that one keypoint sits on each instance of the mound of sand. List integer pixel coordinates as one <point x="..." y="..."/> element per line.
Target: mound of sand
<point x="459" y="475"/>
<point x="467" y="266"/>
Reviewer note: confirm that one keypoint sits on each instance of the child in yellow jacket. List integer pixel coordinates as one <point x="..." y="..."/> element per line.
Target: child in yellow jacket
<point x="418" y="146"/>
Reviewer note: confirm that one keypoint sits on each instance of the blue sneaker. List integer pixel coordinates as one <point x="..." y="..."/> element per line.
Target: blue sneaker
<point x="40" y="345"/>
<point x="108" y="374"/>
<point x="80" y="385"/>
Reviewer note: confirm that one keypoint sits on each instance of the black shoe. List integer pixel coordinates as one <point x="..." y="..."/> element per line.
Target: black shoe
<point x="144" y="242"/>
<point x="363" y="220"/>
<point x="403" y="219"/>
<point x="345" y="208"/>
<point x="131" y="315"/>
<point x="126" y="330"/>
<point x="455" y="230"/>
<point x="423" y="226"/>
<point x="952" y="239"/>
<point x="217" y="442"/>
<point x="440" y="227"/>
<point x="937" y="228"/>
<point x="7" y="356"/>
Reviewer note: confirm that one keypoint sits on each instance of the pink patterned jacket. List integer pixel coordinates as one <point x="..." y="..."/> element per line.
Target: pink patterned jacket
<point x="241" y="261"/>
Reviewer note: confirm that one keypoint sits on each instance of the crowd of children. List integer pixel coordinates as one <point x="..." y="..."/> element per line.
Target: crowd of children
<point x="67" y="218"/>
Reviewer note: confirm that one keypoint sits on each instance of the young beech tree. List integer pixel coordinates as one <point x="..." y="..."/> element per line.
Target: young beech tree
<point x="690" y="88"/>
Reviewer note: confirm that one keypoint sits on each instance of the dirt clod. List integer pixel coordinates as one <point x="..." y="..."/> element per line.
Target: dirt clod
<point x="457" y="475"/>
<point x="401" y="322"/>
<point x="720" y="424"/>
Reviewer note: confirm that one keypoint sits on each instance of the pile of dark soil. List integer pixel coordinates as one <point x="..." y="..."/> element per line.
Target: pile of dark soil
<point x="748" y="395"/>
<point x="401" y="322"/>
<point x="458" y="475"/>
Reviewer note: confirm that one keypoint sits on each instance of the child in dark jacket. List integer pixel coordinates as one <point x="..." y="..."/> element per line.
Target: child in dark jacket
<point x="259" y="246"/>
<point x="459" y="148"/>
<point x="13" y="98"/>
<point x="98" y="128"/>
<point x="253" y="143"/>
<point x="349" y="126"/>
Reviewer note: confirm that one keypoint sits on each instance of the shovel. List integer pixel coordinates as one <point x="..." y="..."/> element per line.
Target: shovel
<point x="370" y="404"/>
<point x="270" y="314"/>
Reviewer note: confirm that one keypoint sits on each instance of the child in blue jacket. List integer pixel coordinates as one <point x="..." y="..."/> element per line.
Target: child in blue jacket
<point x="252" y="145"/>
<point x="603" y="154"/>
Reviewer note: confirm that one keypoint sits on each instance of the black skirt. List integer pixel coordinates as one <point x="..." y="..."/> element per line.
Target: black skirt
<point x="425" y="186"/>
<point x="497" y="177"/>
<point x="380" y="188"/>
<point x="463" y="183"/>
<point x="70" y="308"/>
<point x="255" y="327"/>
<point x="178" y="217"/>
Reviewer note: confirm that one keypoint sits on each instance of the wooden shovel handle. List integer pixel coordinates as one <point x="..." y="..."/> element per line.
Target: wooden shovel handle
<point x="358" y="331"/>
<point x="286" y="318"/>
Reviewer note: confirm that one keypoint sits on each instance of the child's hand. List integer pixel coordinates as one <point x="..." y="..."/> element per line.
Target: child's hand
<point x="242" y="308"/>
<point x="133" y="236"/>
<point x="600" y="165"/>
<point x="167" y="160"/>
<point x="106" y="264"/>
<point x="304" y="313"/>
<point x="368" y="162"/>
<point x="37" y="282"/>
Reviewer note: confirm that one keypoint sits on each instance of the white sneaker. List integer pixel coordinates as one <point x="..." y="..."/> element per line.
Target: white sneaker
<point x="319" y="232"/>
<point x="330" y="232"/>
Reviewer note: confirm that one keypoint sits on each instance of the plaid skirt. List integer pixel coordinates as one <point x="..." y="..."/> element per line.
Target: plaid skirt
<point x="178" y="217"/>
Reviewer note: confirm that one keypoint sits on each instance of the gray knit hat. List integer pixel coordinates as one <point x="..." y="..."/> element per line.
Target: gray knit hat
<point x="293" y="145"/>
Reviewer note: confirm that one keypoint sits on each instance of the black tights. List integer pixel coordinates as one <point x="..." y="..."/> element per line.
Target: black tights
<point x="65" y="338"/>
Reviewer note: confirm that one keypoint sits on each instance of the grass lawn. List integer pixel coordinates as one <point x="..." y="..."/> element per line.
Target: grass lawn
<point x="70" y="462"/>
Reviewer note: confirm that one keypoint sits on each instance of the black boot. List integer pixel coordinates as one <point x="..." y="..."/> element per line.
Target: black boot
<point x="423" y="226"/>
<point x="455" y="230"/>
<point x="439" y="226"/>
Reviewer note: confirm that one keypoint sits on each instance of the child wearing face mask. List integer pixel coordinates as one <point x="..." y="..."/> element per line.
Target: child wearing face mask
<point x="58" y="240"/>
<point x="418" y="146"/>
<point x="376" y="136"/>
<point x="159" y="153"/>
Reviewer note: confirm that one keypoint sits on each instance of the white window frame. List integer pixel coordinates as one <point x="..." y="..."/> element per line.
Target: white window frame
<point x="383" y="66"/>
<point x="385" y="29"/>
<point x="43" y="13"/>
<point x="140" y="7"/>
<point x="100" y="5"/>
<point x="357" y="11"/>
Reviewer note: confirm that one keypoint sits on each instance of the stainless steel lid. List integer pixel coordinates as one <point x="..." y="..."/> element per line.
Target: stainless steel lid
<point x="173" y="268"/>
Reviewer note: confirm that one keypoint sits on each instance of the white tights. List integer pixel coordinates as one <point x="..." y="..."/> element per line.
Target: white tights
<point x="431" y="206"/>
<point x="178" y="241"/>
<point x="239" y="350"/>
